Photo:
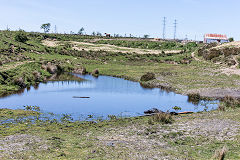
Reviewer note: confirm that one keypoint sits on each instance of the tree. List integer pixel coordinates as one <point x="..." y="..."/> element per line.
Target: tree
<point x="145" y="36"/>
<point x="21" y="36"/>
<point x="81" y="31"/>
<point x="93" y="34"/>
<point x="231" y="39"/>
<point x="46" y="27"/>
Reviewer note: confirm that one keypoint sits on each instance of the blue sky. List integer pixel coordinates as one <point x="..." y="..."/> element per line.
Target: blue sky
<point x="138" y="17"/>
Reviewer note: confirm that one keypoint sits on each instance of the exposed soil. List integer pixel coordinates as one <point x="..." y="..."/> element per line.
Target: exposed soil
<point x="231" y="44"/>
<point x="217" y="92"/>
<point x="107" y="47"/>
<point x="151" y="140"/>
<point x="20" y="143"/>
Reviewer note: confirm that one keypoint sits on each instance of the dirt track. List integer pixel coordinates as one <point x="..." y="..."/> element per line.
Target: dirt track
<point x="106" y="47"/>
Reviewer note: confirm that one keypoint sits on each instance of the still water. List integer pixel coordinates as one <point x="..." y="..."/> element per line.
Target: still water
<point x="108" y="96"/>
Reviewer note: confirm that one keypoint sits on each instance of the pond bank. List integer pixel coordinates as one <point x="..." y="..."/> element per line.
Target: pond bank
<point x="196" y="136"/>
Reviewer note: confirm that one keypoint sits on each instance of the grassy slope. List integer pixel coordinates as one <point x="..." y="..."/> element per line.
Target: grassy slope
<point x="185" y="78"/>
<point x="135" y="137"/>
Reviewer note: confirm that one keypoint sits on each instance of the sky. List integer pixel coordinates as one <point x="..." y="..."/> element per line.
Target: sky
<point x="136" y="17"/>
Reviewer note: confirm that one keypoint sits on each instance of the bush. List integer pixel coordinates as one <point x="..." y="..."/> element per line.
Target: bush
<point x="231" y="39"/>
<point x="147" y="77"/>
<point x="212" y="54"/>
<point x="21" y="36"/>
<point x="164" y="118"/>
<point x="194" y="98"/>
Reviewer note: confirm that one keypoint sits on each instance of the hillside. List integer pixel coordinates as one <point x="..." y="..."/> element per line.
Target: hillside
<point x="198" y="70"/>
<point x="180" y="67"/>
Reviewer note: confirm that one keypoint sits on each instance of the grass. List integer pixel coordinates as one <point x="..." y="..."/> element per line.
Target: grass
<point x="183" y="78"/>
<point x="9" y="113"/>
<point x="140" y="137"/>
<point x="117" y="138"/>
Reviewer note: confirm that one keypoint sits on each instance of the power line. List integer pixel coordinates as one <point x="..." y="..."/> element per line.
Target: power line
<point x="164" y="27"/>
<point x="175" y="28"/>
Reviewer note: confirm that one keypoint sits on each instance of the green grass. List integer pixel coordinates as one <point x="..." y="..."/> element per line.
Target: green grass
<point x="90" y="140"/>
<point x="9" y="113"/>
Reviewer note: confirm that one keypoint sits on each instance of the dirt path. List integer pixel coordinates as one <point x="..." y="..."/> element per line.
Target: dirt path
<point x="194" y="57"/>
<point x="233" y="69"/>
<point x="231" y="44"/>
<point x="225" y="70"/>
<point x="107" y="47"/>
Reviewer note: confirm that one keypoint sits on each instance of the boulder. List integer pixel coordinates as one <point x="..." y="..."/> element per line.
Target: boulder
<point x="147" y="77"/>
<point x="20" y="82"/>
<point x="37" y="75"/>
<point x="80" y="70"/>
<point x="95" y="72"/>
<point x="52" y="69"/>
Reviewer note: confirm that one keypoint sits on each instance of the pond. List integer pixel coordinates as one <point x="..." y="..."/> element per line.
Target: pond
<point x="107" y="96"/>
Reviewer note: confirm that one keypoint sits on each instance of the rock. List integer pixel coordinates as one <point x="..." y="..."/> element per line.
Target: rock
<point x="44" y="67"/>
<point x="147" y="77"/>
<point x="20" y="82"/>
<point x="37" y="75"/>
<point x="231" y="62"/>
<point x="95" y="72"/>
<point x="153" y="111"/>
<point x="185" y="61"/>
<point x="80" y="70"/>
<point x="52" y="69"/>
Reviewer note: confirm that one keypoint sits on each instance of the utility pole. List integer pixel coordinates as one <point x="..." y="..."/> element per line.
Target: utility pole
<point x="175" y="28"/>
<point x="164" y="27"/>
<point x="55" y="29"/>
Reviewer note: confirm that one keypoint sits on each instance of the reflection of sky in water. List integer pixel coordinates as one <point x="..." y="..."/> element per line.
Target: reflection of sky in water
<point x="108" y="95"/>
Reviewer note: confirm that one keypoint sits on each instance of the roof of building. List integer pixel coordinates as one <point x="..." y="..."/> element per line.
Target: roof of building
<point x="216" y="36"/>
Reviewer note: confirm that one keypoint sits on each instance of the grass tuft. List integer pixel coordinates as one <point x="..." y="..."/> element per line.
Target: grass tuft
<point x="164" y="118"/>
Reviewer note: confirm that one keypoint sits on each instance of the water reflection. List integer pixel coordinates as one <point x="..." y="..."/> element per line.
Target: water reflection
<point x="107" y="96"/>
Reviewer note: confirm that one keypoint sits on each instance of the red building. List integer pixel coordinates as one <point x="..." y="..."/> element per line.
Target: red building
<point x="218" y="38"/>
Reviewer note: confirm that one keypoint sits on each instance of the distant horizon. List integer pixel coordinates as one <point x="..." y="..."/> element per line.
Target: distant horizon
<point x="194" y="17"/>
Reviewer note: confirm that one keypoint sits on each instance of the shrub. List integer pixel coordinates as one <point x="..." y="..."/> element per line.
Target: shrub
<point x="21" y="36"/>
<point x="95" y="72"/>
<point x="212" y="54"/>
<point x="147" y="77"/>
<point x="194" y="98"/>
<point x="231" y="39"/>
<point x="164" y="118"/>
